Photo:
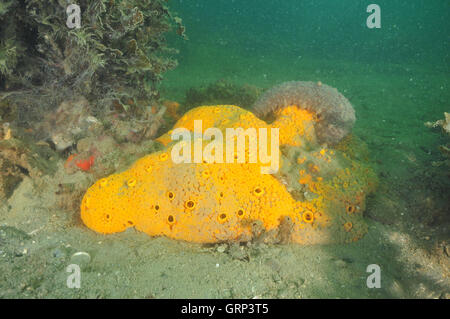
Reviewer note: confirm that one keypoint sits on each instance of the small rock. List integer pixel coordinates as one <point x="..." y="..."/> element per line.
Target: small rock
<point x="80" y="258"/>
<point x="222" y="248"/>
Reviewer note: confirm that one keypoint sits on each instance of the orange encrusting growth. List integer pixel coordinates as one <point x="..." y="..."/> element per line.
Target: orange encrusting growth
<point x="295" y="125"/>
<point x="195" y="207"/>
<point x="207" y="203"/>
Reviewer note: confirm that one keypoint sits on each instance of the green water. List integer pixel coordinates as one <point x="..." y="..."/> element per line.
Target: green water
<point x="413" y="31"/>
<point x="264" y="43"/>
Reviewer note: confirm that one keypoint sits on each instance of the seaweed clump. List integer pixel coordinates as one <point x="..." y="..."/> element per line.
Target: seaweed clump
<point x="116" y="58"/>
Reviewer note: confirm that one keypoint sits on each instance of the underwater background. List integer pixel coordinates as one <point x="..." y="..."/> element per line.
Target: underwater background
<point x="397" y="79"/>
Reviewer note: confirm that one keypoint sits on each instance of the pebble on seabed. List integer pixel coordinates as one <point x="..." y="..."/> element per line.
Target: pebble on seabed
<point x="80" y="258"/>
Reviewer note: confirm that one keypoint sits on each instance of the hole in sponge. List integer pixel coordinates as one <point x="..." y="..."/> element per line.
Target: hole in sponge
<point x="351" y="209"/>
<point x="103" y="182"/>
<point x="348" y="226"/>
<point x="131" y="183"/>
<point x="222" y="218"/>
<point x="308" y="217"/>
<point x="190" y="204"/>
<point x="258" y="191"/>
<point x="205" y="174"/>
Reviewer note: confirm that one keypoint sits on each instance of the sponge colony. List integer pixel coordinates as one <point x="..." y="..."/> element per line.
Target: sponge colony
<point x="313" y="199"/>
<point x="335" y="115"/>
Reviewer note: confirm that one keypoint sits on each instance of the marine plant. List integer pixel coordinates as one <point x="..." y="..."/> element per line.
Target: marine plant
<point x="116" y="58"/>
